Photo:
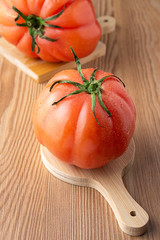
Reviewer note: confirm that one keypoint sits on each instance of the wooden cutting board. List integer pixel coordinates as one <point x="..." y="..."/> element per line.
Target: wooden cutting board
<point x="42" y="71"/>
<point x="131" y="217"/>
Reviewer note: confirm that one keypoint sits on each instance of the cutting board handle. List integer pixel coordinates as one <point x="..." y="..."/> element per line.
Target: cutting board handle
<point x="107" y="24"/>
<point x="131" y="217"/>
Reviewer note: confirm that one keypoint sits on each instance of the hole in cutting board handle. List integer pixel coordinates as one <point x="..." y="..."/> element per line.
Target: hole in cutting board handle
<point x="133" y="213"/>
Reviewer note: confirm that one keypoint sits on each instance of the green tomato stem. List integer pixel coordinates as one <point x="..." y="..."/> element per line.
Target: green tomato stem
<point x="93" y="99"/>
<point x="79" y="66"/>
<point x="66" y="81"/>
<point x="36" y="26"/>
<point x="92" y="87"/>
<point x="92" y="78"/>
<point x="70" y="94"/>
<point x="102" y="104"/>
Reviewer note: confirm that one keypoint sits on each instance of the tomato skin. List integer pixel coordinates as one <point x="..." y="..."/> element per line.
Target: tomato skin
<point x="80" y="29"/>
<point x="69" y="129"/>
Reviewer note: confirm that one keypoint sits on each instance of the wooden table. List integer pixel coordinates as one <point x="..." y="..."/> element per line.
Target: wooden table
<point x="35" y="205"/>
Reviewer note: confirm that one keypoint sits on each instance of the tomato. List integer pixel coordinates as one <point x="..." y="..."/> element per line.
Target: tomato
<point x="75" y="25"/>
<point x="89" y="127"/>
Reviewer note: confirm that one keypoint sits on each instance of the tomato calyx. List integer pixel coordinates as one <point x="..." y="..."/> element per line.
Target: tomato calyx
<point x="92" y="87"/>
<point x="36" y="26"/>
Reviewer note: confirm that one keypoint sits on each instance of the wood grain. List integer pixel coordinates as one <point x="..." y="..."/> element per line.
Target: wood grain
<point x="34" y="204"/>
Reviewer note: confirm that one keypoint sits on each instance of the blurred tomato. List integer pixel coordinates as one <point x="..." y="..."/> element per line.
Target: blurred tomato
<point x="48" y="37"/>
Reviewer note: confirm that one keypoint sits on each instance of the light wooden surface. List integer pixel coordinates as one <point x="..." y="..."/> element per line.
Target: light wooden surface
<point x="36" y="205"/>
<point x="42" y="71"/>
<point x="107" y="180"/>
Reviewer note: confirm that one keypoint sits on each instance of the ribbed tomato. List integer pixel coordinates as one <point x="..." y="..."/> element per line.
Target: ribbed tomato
<point x="47" y="28"/>
<point x="85" y="118"/>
